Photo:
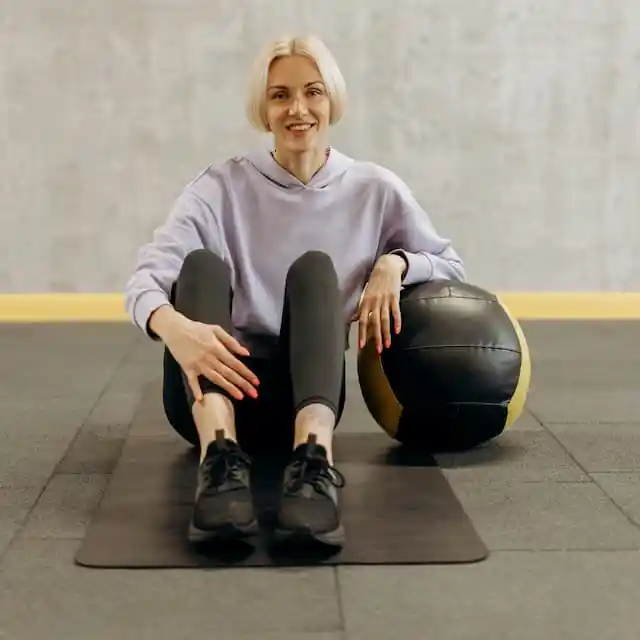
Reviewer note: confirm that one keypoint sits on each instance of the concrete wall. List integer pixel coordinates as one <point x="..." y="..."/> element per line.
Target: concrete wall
<point x="516" y="122"/>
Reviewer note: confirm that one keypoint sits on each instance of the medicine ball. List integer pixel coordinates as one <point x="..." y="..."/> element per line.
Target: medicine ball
<point x="456" y="375"/>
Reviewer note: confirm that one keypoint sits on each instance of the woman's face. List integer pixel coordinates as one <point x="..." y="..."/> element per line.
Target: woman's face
<point x="297" y="106"/>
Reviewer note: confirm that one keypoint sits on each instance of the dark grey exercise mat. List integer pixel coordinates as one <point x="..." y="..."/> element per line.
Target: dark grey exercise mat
<point x="398" y="507"/>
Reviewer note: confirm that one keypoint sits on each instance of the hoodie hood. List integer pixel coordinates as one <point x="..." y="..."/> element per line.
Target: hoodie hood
<point x="336" y="165"/>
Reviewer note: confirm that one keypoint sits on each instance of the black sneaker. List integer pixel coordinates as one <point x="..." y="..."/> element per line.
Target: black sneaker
<point x="223" y="504"/>
<point x="309" y="509"/>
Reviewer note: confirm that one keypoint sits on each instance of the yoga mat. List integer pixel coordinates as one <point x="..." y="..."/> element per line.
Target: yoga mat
<point x="397" y="506"/>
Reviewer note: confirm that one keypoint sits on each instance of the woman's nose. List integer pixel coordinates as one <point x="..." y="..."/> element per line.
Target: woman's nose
<point x="298" y="107"/>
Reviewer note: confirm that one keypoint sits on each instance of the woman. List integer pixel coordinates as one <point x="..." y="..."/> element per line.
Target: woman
<point x="252" y="282"/>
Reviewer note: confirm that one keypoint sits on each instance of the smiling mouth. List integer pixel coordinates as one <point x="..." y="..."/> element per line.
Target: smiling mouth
<point x="301" y="127"/>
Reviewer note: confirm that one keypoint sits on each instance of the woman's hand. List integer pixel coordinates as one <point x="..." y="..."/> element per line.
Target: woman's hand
<point x="208" y="350"/>
<point x="381" y="301"/>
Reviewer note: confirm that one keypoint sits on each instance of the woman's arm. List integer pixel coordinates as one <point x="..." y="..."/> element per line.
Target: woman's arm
<point x="410" y="233"/>
<point x="190" y="225"/>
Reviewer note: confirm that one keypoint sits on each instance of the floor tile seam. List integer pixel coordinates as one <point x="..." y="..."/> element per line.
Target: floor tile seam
<point x="618" y="472"/>
<point x="545" y="424"/>
<point x="619" y="507"/>
<point x="129" y="350"/>
<point x="554" y="436"/>
<point x="495" y="552"/>
<point x="503" y="551"/>
<point x="120" y="364"/>
<point x="342" y="618"/>
<point x="590" y="549"/>
<point x="588" y="423"/>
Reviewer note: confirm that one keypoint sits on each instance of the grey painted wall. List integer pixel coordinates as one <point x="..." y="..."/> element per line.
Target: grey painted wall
<point x="516" y="122"/>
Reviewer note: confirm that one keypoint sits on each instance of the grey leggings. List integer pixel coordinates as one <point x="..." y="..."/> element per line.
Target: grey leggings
<point x="309" y="366"/>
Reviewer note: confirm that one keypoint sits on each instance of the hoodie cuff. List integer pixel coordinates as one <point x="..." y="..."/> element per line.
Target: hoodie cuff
<point x="419" y="267"/>
<point x="146" y="304"/>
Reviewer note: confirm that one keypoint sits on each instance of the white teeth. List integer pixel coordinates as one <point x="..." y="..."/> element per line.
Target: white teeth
<point x="300" y="127"/>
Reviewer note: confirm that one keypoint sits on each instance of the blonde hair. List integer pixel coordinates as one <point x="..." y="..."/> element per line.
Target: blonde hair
<point x="311" y="47"/>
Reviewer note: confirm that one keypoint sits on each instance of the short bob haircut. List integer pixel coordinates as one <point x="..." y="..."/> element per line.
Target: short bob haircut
<point x="310" y="46"/>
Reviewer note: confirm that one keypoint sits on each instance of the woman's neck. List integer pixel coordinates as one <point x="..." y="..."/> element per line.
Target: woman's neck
<point x="302" y="165"/>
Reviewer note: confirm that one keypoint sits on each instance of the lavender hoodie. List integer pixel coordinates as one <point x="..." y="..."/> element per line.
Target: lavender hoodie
<point x="259" y="218"/>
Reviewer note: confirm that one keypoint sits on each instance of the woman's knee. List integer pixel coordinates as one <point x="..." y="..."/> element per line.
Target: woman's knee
<point x="202" y="290"/>
<point x="202" y="261"/>
<point x="312" y="267"/>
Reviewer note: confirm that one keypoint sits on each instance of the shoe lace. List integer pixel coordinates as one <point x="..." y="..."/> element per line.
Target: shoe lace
<point x="314" y="470"/>
<point x="226" y="465"/>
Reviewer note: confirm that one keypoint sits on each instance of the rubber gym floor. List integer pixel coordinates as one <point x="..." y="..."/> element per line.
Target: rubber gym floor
<point x="556" y="499"/>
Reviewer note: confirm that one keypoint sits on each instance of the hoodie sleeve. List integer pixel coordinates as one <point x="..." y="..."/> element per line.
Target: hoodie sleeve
<point x="190" y="225"/>
<point x="410" y="232"/>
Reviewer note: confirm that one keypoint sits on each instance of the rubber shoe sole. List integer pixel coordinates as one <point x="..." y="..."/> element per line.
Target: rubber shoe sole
<point x="228" y="531"/>
<point x="304" y="536"/>
<point x="242" y="524"/>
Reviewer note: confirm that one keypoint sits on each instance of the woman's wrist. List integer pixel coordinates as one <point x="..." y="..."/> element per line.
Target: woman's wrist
<point x="163" y="320"/>
<point x="395" y="262"/>
<point x="401" y="260"/>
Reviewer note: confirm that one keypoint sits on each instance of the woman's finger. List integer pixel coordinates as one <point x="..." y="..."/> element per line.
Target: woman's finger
<point x="385" y="323"/>
<point x="363" y="325"/>
<point x="194" y="385"/>
<point x="234" y="378"/>
<point x="395" y="312"/>
<point x="227" y="358"/>
<point x="375" y="325"/>
<point x="217" y="378"/>
<point x="229" y="341"/>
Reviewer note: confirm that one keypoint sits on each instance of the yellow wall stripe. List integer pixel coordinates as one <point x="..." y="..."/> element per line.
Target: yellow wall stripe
<point x="108" y="307"/>
<point x="62" y="307"/>
<point x="573" y="305"/>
